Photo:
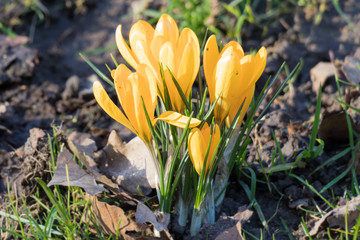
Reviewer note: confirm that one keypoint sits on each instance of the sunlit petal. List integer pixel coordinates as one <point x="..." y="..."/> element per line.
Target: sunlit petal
<point x="215" y="139"/>
<point x="177" y="119"/>
<point x="137" y="115"/>
<point x="210" y="58"/>
<point x="248" y="95"/>
<point x="167" y="56"/>
<point x="187" y="36"/>
<point x="199" y="143"/>
<point x="148" y="87"/>
<point x="260" y="61"/>
<point x="142" y="31"/>
<point x="121" y="84"/>
<point x="236" y="48"/>
<point x="247" y="71"/>
<point x="188" y="68"/>
<point x="143" y="52"/>
<point x="197" y="150"/>
<point x="167" y="27"/>
<point x="109" y="107"/>
<point x="124" y="49"/>
<point x="226" y="83"/>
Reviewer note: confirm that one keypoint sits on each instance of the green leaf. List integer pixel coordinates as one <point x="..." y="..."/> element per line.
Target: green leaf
<point x="98" y="71"/>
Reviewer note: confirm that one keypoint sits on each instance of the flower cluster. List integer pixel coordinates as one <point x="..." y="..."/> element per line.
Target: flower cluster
<point x="157" y="105"/>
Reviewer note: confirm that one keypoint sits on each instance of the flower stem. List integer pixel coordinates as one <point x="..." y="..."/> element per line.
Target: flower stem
<point x="210" y="206"/>
<point x="196" y="221"/>
<point x="182" y="208"/>
<point x="158" y="177"/>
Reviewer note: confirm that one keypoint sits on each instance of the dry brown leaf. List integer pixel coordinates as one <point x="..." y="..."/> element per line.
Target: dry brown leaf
<point x="233" y="233"/>
<point x="351" y="70"/>
<point x="113" y="219"/>
<point x="144" y="214"/>
<point x="333" y="129"/>
<point x="321" y="73"/>
<point x="69" y="173"/>
<point x="84" y="147"/>
<point x="130" y="164"/>
<point x="228" y="227"/>
<point x="32" y="142"/>
<point x="336" y="217"/>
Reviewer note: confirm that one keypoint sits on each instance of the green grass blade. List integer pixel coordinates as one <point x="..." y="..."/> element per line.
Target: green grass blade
<point x="180" y="91"/>
<point x="97" y="70"/>
<point x="335" y="180"/>
<point x="316" y="122"/>
<point x="332" y="159"/>
<point x="59" y="206"/>
<point x="305" y="182"/>
<point x="255" y="204"/>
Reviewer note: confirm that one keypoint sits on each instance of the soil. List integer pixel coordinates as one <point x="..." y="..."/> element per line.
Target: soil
<point x="46" y="83"/>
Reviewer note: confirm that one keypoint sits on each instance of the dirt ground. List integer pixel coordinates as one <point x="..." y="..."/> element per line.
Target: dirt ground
<point x="46" y="82"/>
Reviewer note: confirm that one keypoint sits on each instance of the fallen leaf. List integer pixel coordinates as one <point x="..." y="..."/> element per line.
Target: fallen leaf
<point x="243" y="214"/>
<point x="113" y="219"/>
<point x="333" y="129"/>
<point x="69" y="173"/>
<point x="144" y="214"/>
<point x="130" y="164"/>
<point x="336" y="217"/>
<point x="351" y="70"/>
<point x="32" y="141"/>
<point x="227" y="227"/>
<point x="233" y="233"/>
<point x="321" y="73"/>
<point x="84" y="147"/>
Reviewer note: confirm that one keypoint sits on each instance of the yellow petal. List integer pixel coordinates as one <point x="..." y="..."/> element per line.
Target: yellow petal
<point x="260" y="61"/>
<point x="141" y="30"/>
<point x="156" y="45"/>
<point x="236" y="48"/>
<point x="215" y="140"/>
<point x="248" y="69"/>
<point x="167" y="27"/>
<point x="177" y="119"/>
<point x="227" y="84"/>
<point x="121" y="84"/>
<point x="124" y="86"/>
<point x="167" y="57"/>
<point x="144" y="54"/>
<point x="197" y="149"/>
<point x="137" y="115"/>
<point x="124" y="49"/>
<point x="248" y="95"/>
<point x="187" y="36"/>
<point x="109" y="107"/>
<point x="188" y="67"/>
<point x="131" y="89"/>
<point x="148" y="88"/>
<point x="210" y="59"/>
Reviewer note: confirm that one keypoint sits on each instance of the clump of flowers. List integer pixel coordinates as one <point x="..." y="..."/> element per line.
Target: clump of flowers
<point x="194" y="147"/>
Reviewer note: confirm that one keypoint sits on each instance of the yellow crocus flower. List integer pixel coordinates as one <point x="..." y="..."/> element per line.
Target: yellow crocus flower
<point x="131" y="88"/>
<point x="163" y="46"/>
<point x="198" y="143"/>
<point x="231" y="76"/>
